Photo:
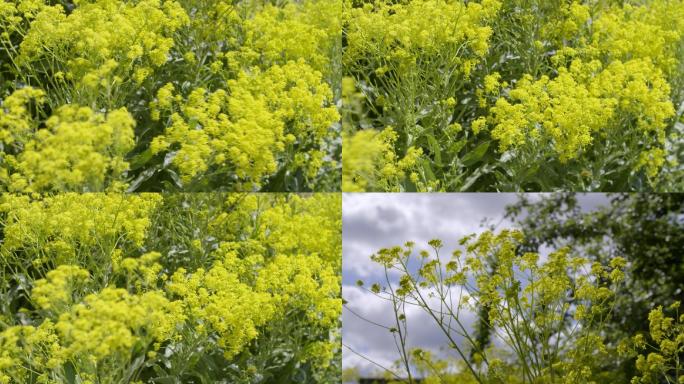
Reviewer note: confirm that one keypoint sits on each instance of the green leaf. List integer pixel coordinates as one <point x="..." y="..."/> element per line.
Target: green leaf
<point x="140" y="159"/>
<point x="435" y="149"/>
<point x="69" y="373"/>
<point x="429" y="175"/>
<point x="476" y="154"/>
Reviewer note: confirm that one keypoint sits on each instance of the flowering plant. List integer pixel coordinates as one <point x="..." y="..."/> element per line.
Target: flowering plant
<point x="202" y="288"/>
<point x="202" y="95"/>
<point x="513" y="95"/>
<point x="546" y="315"/>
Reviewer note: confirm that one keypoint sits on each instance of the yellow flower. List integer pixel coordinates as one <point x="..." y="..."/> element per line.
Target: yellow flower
<point x="308" y="30"/>
<point x="491" y="82"/>
<point x="479" y="124"/>
<point x="369" y="162"/>
<point x="78" y="150"/>
<point x="55" y="291"/>
<point x="75" y="225"/>
<point x="112" y="322"/>
<point x="583" y="104"/>
<point x="102" y="40"/>
<point x="244" y="130"/>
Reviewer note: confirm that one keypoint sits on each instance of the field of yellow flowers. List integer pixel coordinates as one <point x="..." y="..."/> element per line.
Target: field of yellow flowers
<point x="523" y="95"/>
<point x="169" y="95"/>
<point x="171" y="178"/>
<point x="177" y="288"/>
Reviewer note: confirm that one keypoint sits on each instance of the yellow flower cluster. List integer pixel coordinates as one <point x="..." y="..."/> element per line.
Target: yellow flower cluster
<point x="304" y="275"/>
<point x="216" y="301"/>
<point x="113" y="322"/>
<point x="77" y="150"/>
<point x="248" y="128"/>
<point x="107" y="327"/>
<point x="409" y="31"/>
<point x="305" y="226"/>
<point x="22" y="346"/>
<point x="143" y="272"/>
<point x="210" y="131"/>
<point x="74" y="229"/>
<point x="308" y="30"/>
<point x="16" y="122"/>
<point x="360" y="157"/>
<point x="370" y="164"/>
<point x="526" y="298"/>
<point x="102" y="305"/>
<point x="305" y="283"/>
<point x="585" y="103"/>
<point x="651" y="30"/>
<point x="667" y="335"/>
<point x="561" y="111"/>
<point x="100" y="44"/>
<point x="56" y="290"/>
<point x="563" y="22"/>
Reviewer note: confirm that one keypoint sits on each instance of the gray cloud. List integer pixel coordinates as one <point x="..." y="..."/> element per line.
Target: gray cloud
<point x="375" y="221"/>
<point x="364" y="311"/>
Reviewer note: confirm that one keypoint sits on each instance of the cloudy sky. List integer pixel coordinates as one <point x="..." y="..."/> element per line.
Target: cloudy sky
<point x="374" y="221"/>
